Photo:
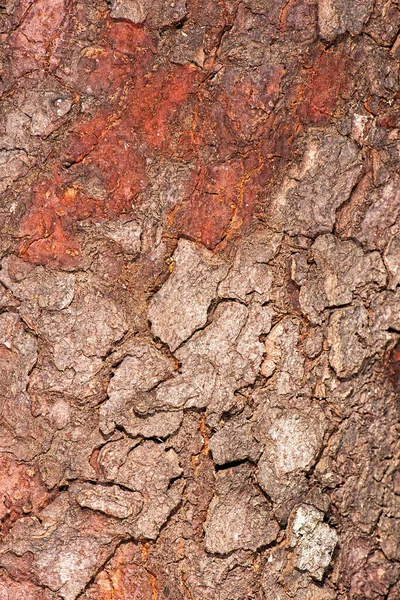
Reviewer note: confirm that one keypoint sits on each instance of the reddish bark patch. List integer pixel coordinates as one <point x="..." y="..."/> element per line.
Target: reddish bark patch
<point x="21" y="590"/>
<point x="106" y="154"/>
<point x="394" y="366"/>
<point x="325" y="80"/>
<point x="124" y="578"/>
<point x="21" y="492"/>
<point x="367" y="573"/>
<point x="206" y="216"/>
<point x="226" y="129"/>
<point x="32" y="42"/>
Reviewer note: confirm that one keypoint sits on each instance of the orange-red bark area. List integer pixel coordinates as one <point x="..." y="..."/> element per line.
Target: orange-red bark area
<point x="149" y="110"/>
<point x="106" y="154"/>
<point x="324" y="83"/>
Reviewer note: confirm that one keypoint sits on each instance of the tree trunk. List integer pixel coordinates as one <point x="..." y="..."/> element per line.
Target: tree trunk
<point x="200" y="311"/>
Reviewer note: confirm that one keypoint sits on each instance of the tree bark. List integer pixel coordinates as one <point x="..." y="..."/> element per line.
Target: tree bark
<point x="199" y="293"/>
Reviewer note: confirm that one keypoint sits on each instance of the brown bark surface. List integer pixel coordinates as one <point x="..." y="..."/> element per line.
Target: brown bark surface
<point x="200" y="301"/>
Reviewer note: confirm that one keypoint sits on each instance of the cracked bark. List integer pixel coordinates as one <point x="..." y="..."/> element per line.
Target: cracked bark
<point x="199" y="301"/>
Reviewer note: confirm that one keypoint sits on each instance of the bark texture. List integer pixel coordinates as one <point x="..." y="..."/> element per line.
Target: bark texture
<point x="200" y="301"/>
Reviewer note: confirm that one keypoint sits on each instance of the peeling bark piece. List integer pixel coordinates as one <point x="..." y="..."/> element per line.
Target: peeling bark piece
<point x="218" y="360"/>
<point x="66" y="565"/>
<point x="133" y="10"/>
<point x="150" y="469"/>
<point x="140" y="371"/>
<point x="234" y="441"/>
<point x="22" y="590"/>
<point x="291" y="441"/>
<point x="68" y="545"/>
<point x="389" y="529"/>
<point x="314" y="540"/>
<point x="299" y="268"/>
<point x="113" y="455"/>
<point x="158" y="13"/>
<point x="14" y="137"/>
<point x="392" y="261"/>
<point x="71" y="449"/>
<point x="181" y="306"/>
<point x="21" y="490"/>
<point x="238" y="516"/>
<point x="125" y="233"/>
<point x="193" y="387"/>
<point x="347" y="332"/>
<point x="386" y="313"/>
<point x="283" y="355"/>
<point x="155" y="514"/>
<point x="370" y="222"/>
<point x="47" y="107"/>
<point x="43" y="23"/>
<point x="188" y="45"/>
<point x="250" y="273"/>
<point x="6" y="298"/>
<point x="86" y="328"/>
<point x="339" y="269"/>
<point x="314" y="343"/>
<point x="383" y="24"/>
<point x="160" y="425"/>
<point x="281" y="581"/>
<point x="18" y="354"/>
<point x="309" y="197"/>
<point x="233" y="576"/>
<point x="277" y="559"/>
<point x="21" y="433"/>
<point x="124" y="576"/>
<point x="111" y="500"/>
<point x="294" y="440"/>
<point x="336" y="17"/>
<point x="37" y="288"/>
<point x="79" y="336"/>
<point x="13" y="165"/>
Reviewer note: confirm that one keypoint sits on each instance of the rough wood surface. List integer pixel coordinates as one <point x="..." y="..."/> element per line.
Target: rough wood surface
<point x="200" y="301"/>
